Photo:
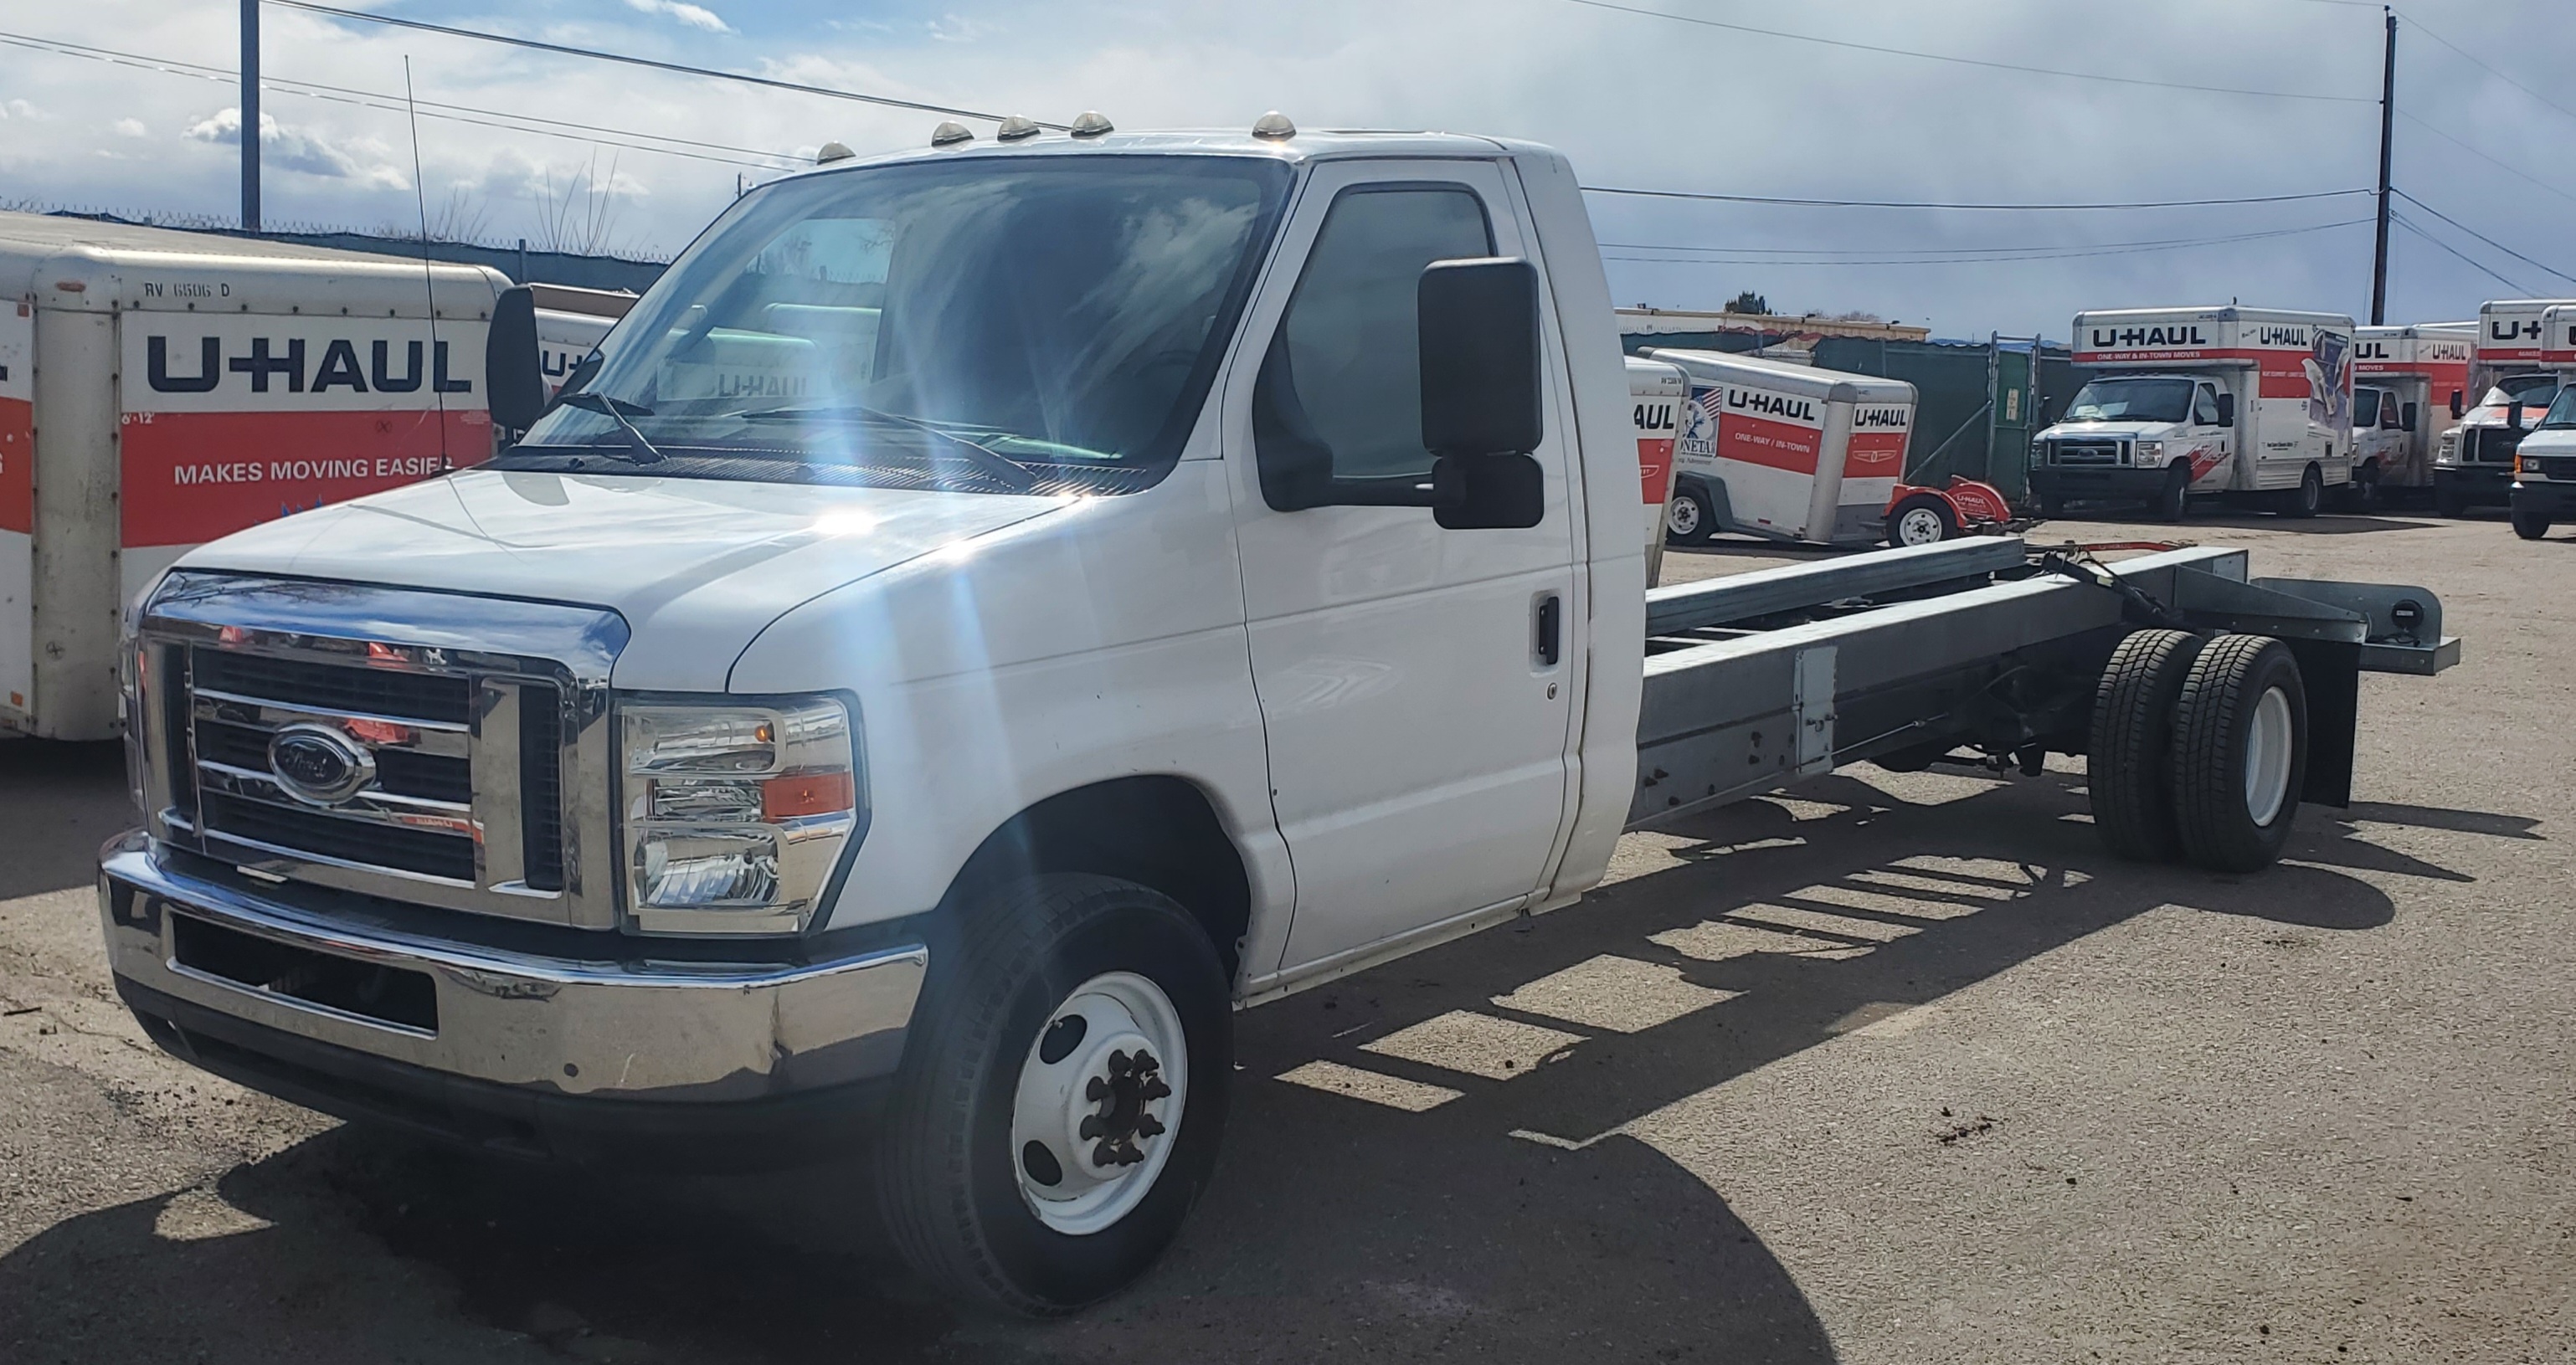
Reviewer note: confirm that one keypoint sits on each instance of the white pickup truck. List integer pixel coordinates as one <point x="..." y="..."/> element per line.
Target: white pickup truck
<point x="988" y="613"/>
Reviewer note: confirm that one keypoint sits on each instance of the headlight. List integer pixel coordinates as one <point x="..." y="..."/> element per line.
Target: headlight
<point x="2448" y="452"/>
<point x="2148" y="452"/>
<point x="735" y="813"/>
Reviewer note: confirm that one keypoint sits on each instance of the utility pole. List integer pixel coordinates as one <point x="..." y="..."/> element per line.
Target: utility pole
<point x="251" y="117"/>
<point x="2387" y="133"/>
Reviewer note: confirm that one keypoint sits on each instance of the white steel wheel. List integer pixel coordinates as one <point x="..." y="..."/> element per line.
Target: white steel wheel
<point x="1100" y="1098"/>
<point x="1681" y="516"/>
<point x="2270" y="742"/>
<point x="1919" y="526"/>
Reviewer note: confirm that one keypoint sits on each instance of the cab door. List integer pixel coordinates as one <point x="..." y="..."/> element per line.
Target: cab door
<point x="2211" y="445"/>
<point x="1415" y="682"/>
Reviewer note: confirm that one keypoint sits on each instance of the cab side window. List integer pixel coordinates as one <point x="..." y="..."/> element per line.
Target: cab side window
<point x="1341" y="386"/>
<point x="2204" y="406"/>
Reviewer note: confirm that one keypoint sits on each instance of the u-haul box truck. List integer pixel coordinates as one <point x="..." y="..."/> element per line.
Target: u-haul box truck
<point x="165" y="389"/>
<point x="2544" y="463"/>
<point x="1657" y="393"/>
<point x="2473" y="463"/>
<point x="1786" y="452"/>
<point x="2407" y="381"/>
<point x="2249" y="404"/>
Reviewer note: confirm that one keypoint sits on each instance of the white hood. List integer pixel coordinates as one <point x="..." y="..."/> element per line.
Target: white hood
<point x="2098" y="431"/>
<point x="696" y="566"/>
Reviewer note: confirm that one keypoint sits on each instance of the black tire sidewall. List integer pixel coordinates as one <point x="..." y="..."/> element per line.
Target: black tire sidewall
<point x="1698" y="503"/>
<point x="2173" y="501"/>
<point x="2528" y="525"/>
<point x="2213" y="725"/>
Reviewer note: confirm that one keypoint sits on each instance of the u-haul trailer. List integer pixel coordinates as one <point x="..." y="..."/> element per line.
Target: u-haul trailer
<point x="2473" y="463"/>
<point x="2248" y="404"/>
<point x="1785" y="452"/>
<point x="2409" y="384"/>
<point x="1657" y="393"/>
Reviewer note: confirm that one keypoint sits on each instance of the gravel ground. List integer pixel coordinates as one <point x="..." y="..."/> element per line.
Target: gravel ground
<point x="1895" y="1069"/>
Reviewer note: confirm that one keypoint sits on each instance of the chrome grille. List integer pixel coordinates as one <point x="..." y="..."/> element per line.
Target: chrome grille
<point x="2086" y="452"/>
<point x="461" y="724"/>
<point x="2493" y="445"/>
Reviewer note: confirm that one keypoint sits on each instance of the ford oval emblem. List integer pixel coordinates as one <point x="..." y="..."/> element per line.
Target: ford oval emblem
<point x="318" y="765"/>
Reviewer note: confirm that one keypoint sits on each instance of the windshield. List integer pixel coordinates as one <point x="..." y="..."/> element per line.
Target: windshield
<point x="2530" y="390"/>
<point x="983" y="324"/>
<point x="2562" y="413"/>
<point x="2131" y="400"/>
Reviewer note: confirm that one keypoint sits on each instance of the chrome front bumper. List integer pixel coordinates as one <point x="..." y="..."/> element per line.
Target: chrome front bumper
<point x="649" y="1031"/>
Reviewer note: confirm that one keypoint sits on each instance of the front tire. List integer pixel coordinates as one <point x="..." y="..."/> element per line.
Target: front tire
<point x="2173" y="501"/>
<point x="2302" y="502"/>
<point x="2240" y="753"/>
<point x="2449" y="503"/>
<point x="2530" y="525"/>
<point x="1921" y="520"/>
<point x="1028" y="1163"/>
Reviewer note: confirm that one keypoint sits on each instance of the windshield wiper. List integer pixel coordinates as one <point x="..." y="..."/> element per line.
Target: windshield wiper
<point x="640" y="451"/>
<point x="1019" y="478"/>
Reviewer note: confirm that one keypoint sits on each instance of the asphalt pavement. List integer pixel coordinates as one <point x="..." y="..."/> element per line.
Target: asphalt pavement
<point x="1892" y="1068"/>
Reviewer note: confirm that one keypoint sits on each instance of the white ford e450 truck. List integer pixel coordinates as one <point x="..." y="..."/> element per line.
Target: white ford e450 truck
<point x="2241" y="404"/>
<point x="988" y="613"/>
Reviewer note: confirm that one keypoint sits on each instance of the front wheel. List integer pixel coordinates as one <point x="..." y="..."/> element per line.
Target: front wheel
<point x="1921" y="520"/>
<point x="2449" y="503"/>
<point x="2173" y="501"/>
<point x="1061" y="1096"/>
<point x="2303" y="501"/>
<point x="2529" y="524"/>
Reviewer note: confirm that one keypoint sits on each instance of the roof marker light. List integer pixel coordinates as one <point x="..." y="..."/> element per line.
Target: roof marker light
<point x="1093" y="123"/>
<point x="833" y="151"/>
<point x="950" y="134"/>
<point x="1017" y="129"/>
<point x="1274" y="125"/>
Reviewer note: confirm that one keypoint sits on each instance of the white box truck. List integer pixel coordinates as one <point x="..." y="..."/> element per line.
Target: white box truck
<point x="2247" y="404"/>
<point x="160" y="389"/>
<point x="1784" y="451"/>
<point x="2544" y="463"/>
<point x="2511" y="383"/>
<point x="1195" y="566"/>
<point x="2408" y="384"/>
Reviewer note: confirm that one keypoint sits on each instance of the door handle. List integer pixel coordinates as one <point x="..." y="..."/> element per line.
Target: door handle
<point x="1551" y="630"/>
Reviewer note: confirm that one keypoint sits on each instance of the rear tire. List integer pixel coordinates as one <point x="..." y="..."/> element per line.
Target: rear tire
<point x="2126" y="775"/>
<point x="2240" y="753"/>
<point x="1921" y="520"/>
<point x="956" y="1191"/>
<point x="2530" y="525"/>
<point x="1688" y="518"/>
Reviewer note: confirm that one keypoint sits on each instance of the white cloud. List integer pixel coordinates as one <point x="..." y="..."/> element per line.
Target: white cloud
<point x="695" y="16"/>
<point x="133" y="127"/>
<point x="24" y="110"/>
<point x="958" y="28"/>
<point x="298" y="149"/>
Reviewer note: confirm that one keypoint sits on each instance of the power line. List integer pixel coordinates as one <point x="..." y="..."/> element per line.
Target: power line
<point x="2473" y="60"/>
<point x="1981" y="208"/>
<point x="1991" y="259"/>
<point x="595" y="54"/>
<point x="2490" y="241"/>
<point x="458" y="113"/>
<point x="2042" y="247"/>
<point x="2473" y="151"/>
<point x="1941" y="57"/>
<point x="2517" y="287"/>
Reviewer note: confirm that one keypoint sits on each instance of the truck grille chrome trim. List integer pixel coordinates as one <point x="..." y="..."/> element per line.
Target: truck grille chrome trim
<point x="423" y="746"/>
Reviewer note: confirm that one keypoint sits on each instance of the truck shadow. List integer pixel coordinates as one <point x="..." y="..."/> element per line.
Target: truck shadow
<point x="2323" y="524"/>
<point x="1413" y="1165"/>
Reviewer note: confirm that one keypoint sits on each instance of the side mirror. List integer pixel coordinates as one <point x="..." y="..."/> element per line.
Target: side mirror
<point x="2458" y="407"/>
<point x="2410" y="417"/>
<point x="2513" y="416"/>
<point x="1482" y="395"/>
<point x="511" y="382"/>
<point x="2227" y="409"/>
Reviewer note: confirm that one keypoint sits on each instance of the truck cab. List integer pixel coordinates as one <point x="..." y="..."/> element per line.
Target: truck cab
<point x="2513" y="380"/>
<point x="2544" y="462"/>
<point x="2249" y="405"/>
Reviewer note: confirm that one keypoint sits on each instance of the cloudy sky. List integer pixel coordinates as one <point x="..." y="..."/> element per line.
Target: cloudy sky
<point x="1638" y="97"/>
